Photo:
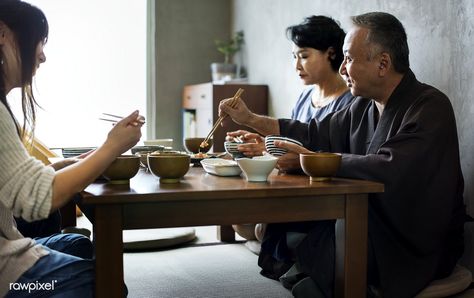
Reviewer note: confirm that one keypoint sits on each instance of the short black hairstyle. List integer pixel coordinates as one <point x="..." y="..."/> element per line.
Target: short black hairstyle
<point x="320" y="33"/>
<point x="386" y="31"/>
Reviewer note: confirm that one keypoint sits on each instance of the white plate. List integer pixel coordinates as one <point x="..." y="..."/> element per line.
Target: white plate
<point x="221" y="167"/>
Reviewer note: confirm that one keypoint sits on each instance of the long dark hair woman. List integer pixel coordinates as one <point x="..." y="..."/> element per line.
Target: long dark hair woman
<point x="31" y="190"/>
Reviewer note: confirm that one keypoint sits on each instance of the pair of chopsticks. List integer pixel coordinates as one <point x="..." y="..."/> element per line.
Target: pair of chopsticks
<point x="117" y="118"/>
<point x="233" y="103"/>
<point x="238" y="139"/>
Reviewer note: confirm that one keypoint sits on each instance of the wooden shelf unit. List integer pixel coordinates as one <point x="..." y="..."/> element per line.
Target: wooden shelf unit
<point x="201" y="106"/>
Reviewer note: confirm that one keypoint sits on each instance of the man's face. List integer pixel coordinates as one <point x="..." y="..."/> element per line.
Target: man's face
<point x="360" y="72"/>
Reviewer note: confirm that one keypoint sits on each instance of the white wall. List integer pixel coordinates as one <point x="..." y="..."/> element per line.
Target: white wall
<point x="96" y="62"/>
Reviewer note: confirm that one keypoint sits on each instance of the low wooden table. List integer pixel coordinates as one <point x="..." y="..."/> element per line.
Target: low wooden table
<point x="203" y="199"/>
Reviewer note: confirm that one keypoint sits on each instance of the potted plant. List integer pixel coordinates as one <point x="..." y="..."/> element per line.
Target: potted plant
<point x="227" y="70"/>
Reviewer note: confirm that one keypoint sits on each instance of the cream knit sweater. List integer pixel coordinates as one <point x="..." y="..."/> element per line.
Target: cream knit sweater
<point x="26" y="191"/>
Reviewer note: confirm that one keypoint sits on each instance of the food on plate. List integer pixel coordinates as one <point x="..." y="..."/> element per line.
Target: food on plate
<point x="200" y="155"/>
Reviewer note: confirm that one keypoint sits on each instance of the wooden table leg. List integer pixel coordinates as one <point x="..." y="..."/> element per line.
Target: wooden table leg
<point x="68" y="215"/>
<point x="225" y="234"/>
<point x="108" y="251"/>
<point x="351" y="249"/>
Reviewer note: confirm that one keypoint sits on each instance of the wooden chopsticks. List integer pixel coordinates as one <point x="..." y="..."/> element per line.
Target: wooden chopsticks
<point x="117" y="118"/>
<point x="233" y="103"/>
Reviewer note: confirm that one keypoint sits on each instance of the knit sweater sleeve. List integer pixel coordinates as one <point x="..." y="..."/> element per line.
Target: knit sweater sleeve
<point x="26" y="184"/>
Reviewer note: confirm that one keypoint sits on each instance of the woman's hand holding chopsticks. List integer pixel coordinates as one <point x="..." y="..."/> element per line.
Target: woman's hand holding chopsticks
<point x="239" y="112"/>
<point x="125" y="133"/>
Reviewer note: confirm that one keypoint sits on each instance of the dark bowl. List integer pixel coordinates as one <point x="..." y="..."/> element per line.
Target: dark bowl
<point x="122" y="169"/>
<point x="169" y="167"/>
<point x="192" y="145"/>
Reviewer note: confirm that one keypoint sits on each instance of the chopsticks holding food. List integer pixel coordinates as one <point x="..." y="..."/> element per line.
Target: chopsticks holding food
<point x="116" y="118"/>
<point x="233" y="103"/>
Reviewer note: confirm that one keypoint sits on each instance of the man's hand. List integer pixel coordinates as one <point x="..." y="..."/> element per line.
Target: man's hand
<point x="291" y="160"/>
<point x="254" y="143"/>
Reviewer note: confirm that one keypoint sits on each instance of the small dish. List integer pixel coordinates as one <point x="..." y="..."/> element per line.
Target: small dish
<point x="221" y="167"/>
<point x="196" y="158"/>
<point x="139" y="149"/>
<point x="166" y="143"/>
<point x="75" y="151"/>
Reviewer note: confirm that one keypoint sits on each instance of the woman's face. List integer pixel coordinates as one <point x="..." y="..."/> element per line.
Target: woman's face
<point x="11" y="64"/>
<point x="40" y="57"/>
<point x="11" y="57"/>
<point x="312" y="65"/>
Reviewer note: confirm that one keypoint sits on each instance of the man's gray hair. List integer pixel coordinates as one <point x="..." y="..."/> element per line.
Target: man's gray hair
<point x="387" y="33"/>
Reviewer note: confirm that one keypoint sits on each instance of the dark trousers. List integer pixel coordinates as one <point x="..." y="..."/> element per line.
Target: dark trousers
<point x="41" y="228"/>
<point x="315" y="254"/>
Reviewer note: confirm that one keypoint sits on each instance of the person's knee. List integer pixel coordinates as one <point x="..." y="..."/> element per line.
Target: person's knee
<point x="72" y="244"/>
<point x="81" y="246"/>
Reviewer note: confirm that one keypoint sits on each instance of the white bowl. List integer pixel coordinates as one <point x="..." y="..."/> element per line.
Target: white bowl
<point x="258" y="168"/>
<point x="168" y="143"/>
<point x="221" y="167"/>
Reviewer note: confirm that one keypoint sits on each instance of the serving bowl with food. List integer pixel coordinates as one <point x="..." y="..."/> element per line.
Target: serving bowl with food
<point x="221" y="167"/>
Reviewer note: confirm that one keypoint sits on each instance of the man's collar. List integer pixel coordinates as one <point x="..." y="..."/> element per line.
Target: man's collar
<point x="405" y="85"/>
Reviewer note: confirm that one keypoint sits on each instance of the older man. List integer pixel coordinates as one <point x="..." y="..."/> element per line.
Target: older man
<point x="400" y="132"/>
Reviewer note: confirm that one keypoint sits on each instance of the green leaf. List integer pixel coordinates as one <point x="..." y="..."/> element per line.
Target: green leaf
<point x="230" y="47"/>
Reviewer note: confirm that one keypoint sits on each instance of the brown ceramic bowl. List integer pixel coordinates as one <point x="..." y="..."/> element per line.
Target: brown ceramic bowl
<point x="192" y="145"/>
<point x="320" y="166"/>
<point x="168" y="166"/>
<point x="122" y="169"/>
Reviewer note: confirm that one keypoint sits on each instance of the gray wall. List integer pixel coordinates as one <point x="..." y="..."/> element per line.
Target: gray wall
<point x="184" y="50"/>
<point x="440" y="36"/>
